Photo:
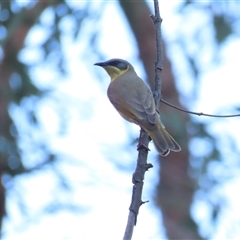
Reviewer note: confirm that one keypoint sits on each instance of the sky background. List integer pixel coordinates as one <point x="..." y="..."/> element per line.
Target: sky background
<point x="95" y="136"/>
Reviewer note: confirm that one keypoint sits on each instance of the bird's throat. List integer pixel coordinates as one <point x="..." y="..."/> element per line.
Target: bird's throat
<point x="114" y="72"/>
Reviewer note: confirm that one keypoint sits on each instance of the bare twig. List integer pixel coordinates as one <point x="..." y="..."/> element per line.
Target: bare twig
<point x="159" y="64"/>
<point x="137" y="180"/>
<point x="142" y="165"/>
<point x="200" y="113"/>
<point x="130" y="226"/>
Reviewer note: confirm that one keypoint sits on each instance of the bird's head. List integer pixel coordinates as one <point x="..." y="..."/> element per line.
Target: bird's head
<point x="115" y="67"/>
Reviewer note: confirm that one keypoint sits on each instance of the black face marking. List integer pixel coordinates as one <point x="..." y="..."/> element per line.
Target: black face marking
<point x="118" y="64"/>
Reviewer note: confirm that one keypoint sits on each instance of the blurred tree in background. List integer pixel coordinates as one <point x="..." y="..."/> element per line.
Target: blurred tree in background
<point x="23" y="140"/>
<point x="22" y="135"/>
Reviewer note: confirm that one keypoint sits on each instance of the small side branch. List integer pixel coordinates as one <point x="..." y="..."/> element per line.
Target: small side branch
<point x="200" y="113"/>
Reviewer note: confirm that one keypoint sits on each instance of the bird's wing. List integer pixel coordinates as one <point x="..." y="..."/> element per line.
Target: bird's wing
<point x="145" y="99"/>
<point x="134" y="101"/>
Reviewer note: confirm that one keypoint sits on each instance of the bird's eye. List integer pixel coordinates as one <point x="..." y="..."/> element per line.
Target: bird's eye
<point x="115" y="63"/>
<point x="118" y="64"/>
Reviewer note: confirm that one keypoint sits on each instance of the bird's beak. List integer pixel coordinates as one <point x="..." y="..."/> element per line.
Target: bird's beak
<point x="101" y="64"/>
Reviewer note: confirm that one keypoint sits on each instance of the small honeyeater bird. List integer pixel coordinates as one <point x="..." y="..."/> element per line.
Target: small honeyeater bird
<point x="134" y="101"/>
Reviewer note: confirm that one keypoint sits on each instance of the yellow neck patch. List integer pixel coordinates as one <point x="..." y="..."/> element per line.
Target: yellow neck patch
<point x="114" y="72"/>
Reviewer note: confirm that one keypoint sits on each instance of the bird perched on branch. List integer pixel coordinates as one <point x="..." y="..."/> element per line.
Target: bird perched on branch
<point x="134" y="101"/>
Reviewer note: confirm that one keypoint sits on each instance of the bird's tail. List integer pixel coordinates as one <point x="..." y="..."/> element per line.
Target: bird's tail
<point x="163" y="141"/>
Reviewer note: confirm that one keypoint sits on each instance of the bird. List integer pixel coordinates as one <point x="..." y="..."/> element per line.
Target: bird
<point x="134" y="101"/>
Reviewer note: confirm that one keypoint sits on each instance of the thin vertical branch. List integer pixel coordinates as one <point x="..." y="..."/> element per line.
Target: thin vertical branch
<point x="137" y="180"/>
<point x="142" y="165"/>
<point x="157" y="21"/>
